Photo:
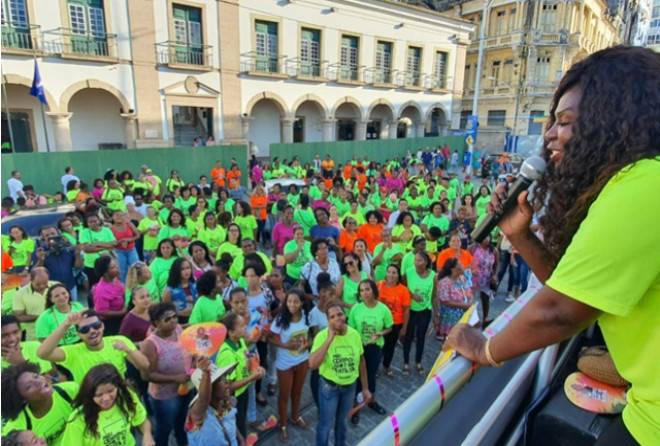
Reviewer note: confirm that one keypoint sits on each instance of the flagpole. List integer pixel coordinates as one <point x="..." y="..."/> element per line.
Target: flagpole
<point x="43" y="114"/>
<point x="6" y="100"/>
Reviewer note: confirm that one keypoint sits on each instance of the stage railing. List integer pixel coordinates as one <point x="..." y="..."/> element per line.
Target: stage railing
<point x="401" y="427"/>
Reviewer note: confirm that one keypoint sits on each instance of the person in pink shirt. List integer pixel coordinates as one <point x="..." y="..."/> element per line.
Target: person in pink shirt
<point x="257" y="174"/>
<point x="283" y="230"/>
<point x="99" y="188"/>
<point x="108" y="295"/>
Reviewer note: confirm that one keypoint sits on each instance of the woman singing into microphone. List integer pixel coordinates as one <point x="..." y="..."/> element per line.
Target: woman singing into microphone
<point x="600" y="254"/>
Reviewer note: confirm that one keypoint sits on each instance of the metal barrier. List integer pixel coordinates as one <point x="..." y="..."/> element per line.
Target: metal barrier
<point x="413" y="414"/>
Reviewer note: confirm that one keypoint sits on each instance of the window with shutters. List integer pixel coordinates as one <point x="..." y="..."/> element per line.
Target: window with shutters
<point x="507" y="72"/>
<point x="548" y="17"/>
<point x="512" y="20"/>
<point x="500" y="23"/>
<point x="542" y="69"/>
<point x="495" y="73"/>
<point x="349" y="58"/>
<point x="266" y="46"/>
<point x="310" y="52"/>
<point x="383" y="62"/>
<point x="188" y="39"/>
<point x="88" y="29"/>
<point x="440" y="69"/>
<point x="77" y="18"/>
<point x="413" y="66"/>
<point x="15" y="25"/>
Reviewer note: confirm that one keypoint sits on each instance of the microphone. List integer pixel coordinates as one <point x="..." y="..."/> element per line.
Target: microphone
<point x="530" y="171"/>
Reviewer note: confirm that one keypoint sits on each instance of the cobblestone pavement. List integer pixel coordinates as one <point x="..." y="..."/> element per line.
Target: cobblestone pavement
<point x="390" y="393"/>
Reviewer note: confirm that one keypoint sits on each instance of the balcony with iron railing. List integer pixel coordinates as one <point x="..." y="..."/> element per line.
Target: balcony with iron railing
<point x="345" y="74"/>
<point x="305" y="69"/>
<point x="435" y="83"/>
<point x="509" y="39"/>
<point x="20" y="40"/>
<point x="184" y="55"/>
<point x="263" y="65"/>
<point x="379" y="77"/>
<point x="409" y="80"/>
<point x="86" y="46"/>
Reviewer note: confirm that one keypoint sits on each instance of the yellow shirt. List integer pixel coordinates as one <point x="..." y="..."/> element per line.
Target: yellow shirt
<point x="33" y="303"/>
<point x="613" y="264"/>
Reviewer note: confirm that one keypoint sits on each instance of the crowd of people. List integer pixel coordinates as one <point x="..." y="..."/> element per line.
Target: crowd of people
<point x="324" y="278"/>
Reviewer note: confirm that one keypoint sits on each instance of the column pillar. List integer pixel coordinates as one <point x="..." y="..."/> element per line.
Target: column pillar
<point x="393" y="129"/>
<point x="360" y="130"/>
<point x="287" y="129"/>
<point x="385" y="129"/>
<point x="130" y="131"/>
<point x="329" y="129"/>
<point x="61" y="131"/>
<point x="419" y="130"/>
<point x="409" y="130"/>
<point x="245" y="126"/>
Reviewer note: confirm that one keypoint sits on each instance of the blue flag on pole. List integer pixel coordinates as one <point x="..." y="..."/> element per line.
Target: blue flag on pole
<point x="37" y="89"/>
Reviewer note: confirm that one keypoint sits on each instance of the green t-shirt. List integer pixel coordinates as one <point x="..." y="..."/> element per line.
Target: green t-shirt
<point x="207" y="310"/>
<point x="305" y="218"/>
<point x="50" y="426"/>
<point x="350" y="293"/>
<point x="22" y="251"/>
<point x="150" y="242"/>
<point x="172" y="184"/>
<point x="467" y="188"/>
<point x="152" y="289"/>
<point x="184" y="205"/>
<point x="293" y="199"/>
<point x="236" y="270"/>
<point x="343" y="207"/>
<point x="407" y="262"/>
<point x="441" y="223"/>
<point x="294" y="268"/>
<point x="358" y="217"/>
<point x="105" y="235"/>
<point x="113" y="427"/>
<point x="160" y="271"/>
<point x="481" y="205"/>
<point x="114" y="199"/>
<point x="380" y="271"/>
<point x="228" y="247"/>
<point x="248" y="224"/>
<point x="397" y="231"/>
<point x="315" y="193"/>
<point x="163" y="215"/>
<point x="170" y="232"/>
<point x="51" y="318"/>
<point x="212" y="238"/>
<point x="29" y="350"/>
<point x="368" y="321"/>
<point x="612" y="265"/>
<point x="73" y="239"/>
<point x="79" y="359"/>
<point x="231" y="353"/>
<point x="422" y="286"/>
<point x="341" y="364"/>
<point x="71" y="195"/>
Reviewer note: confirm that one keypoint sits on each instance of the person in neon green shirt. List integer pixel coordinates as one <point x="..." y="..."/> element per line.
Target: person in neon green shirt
<point x="212" y="234"/>
<point x="19" y="247"/>
<point x="32" y="402"/>
<point x="94" y="348"/>
<point x="174" y="182"/>
<point x="209" y="306"/>
<point x="598" y="258"/>
<point x="352" y="275"/>
<point x="97" y="240"/>
<point x="114" y="407"/>
<point x="297" y="253"/>
<point x="482" y="201"/>
<point x="405" y="230"/>
<point x="245" y="220"/>
<point x="185" y="200"/>
<point x="248" y="247"/>
<point x="355" y="213"/>
<point x="436" y="218"/>
<point x="338" y="354"/>
<point x="304" y="215"/>
<point x="113" y="196"/>
<point x="58" y="307"/>
<point x="149" y="227"/>
<point x="175" y="228"/>
<point x="386" y="253"/>
<point x="15" y="351"/>
<point x="234" y="351"/>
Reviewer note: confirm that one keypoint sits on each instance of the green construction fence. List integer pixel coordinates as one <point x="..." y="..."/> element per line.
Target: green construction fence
<point x="375" y="150"/>
<point x="43" y="170"/>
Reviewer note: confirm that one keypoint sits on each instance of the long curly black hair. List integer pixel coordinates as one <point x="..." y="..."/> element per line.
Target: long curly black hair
<point x="618" y="124"/>
<point x="84" y="401"/>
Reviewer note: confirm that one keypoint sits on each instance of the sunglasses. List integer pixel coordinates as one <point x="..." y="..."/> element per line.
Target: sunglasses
<point x="93" y="326"/>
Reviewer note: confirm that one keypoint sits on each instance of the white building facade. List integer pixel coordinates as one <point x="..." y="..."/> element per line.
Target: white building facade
<point x="135" y="73"/>
<point x="347" y="70"/>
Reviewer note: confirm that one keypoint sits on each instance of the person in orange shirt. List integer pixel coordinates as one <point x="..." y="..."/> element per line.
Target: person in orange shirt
<point x="372" y="230"/>
<point x="7" y="262"/>
<point x="348" y="235"/>
<point x="361" y="178"/>
<point x="396" y="296"/>
<point x="327" y="166"/>
<point x="218" y="174"/>
<point x="346" y="172"/>
<point x="234" y="177"/>
<point x="258" y="202"/>
<point x="454" y="252"/>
